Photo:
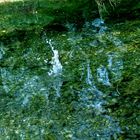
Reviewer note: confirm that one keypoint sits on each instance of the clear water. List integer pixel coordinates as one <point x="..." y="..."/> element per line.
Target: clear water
<point x="102" y="76"/>
<point x="56" y="70"/>
<point x="2" y="51"/>
<point x="74" y="69"/>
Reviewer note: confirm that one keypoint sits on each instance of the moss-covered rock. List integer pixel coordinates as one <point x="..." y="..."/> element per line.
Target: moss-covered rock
<point x="99" y="83"/>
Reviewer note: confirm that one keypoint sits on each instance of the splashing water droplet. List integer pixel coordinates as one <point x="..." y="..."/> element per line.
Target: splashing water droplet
<point x="89" y="78"/>
<point x="2" y="52"/>
<point x="102" y="76"/>
<point x="98" y="22"/>
<point x="115" y="65"/>
<point x="56" y="70"/>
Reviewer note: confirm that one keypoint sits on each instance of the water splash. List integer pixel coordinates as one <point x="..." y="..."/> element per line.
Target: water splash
<point x="102" y="76"/>
<point x="22" y="85"/>
<point x="97" y="100"/>
<point x="98" y="22"/>
<point x="5" y="76"/>
<point x="57" y="67"/>
<point x="115" y="65"/>
<point x="99" y="26"/>
<point x="2" y="51"/>
<point x="117" y="42"/>
<point x="85" y="116"/>
<point x="31" y="87"/>
<point x="92" y="99"/>
<point x="11" y="80"/>
<point x="56" y="70"/>
<point x="89" y="78"/>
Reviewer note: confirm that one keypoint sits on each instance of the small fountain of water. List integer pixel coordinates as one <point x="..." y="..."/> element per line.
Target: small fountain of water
<point x="57" y="67"/>
<point x="56" y="70"/>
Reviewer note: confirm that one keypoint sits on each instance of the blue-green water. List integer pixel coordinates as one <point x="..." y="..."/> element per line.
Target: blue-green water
<point x="59" y="87"/>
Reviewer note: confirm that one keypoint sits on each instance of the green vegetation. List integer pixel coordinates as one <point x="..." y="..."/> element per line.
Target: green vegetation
<point x="29" y="108"/>
<point x="32" y="15"/>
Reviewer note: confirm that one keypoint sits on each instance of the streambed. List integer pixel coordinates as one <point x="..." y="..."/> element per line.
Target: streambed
<point x="63" y="86"/>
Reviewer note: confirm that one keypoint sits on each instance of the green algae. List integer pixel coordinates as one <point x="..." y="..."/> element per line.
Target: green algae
<point x="32" y="121"/>
<point x="25" y="62"/>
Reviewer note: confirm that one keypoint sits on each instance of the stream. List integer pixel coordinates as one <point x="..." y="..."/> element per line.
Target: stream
<point x="67" y="88"/>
